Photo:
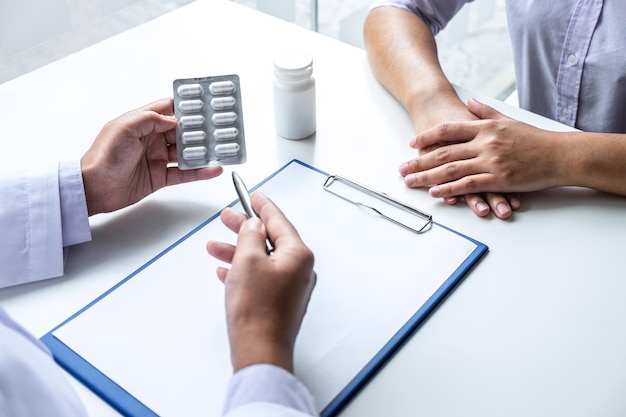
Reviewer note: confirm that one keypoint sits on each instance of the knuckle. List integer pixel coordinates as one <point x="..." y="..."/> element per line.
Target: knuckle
<point x="443" y="130"/>
<point x="503" y="169"/>
<point x="451" y="170"/>
<point x="304" y="256"/>
<point x="494" y="143"/>
<point x="308" y="256"/>
<point x="497" y="134"/>
<point x="491" y="124"/>
<point x="495" y="125"/>
<point x="415" y="165"/>
<point x="471" y="185"/>
<point x="442" y="154"/>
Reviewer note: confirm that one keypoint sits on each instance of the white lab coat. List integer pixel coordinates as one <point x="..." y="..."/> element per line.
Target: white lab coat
<point x="31" y="383"/>
<point x="31" y="247"/>
<point x="267" y="390"/>
<point x="42" y="211"/>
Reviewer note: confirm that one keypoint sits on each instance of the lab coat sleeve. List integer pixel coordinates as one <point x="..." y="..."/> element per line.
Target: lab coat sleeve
<point x="74" y="217"/>
<point x="31" y="383"/>
<point x="267" y="390"/>
<point x="31" y="247"/>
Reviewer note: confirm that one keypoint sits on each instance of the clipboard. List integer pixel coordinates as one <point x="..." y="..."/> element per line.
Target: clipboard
<point x="156" y="344"/>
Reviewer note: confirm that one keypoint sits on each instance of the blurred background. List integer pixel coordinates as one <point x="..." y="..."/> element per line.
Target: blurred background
<point x="474" y="49"/>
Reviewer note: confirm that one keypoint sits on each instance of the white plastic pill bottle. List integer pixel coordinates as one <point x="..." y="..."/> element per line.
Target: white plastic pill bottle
<point x="294" y="95"/>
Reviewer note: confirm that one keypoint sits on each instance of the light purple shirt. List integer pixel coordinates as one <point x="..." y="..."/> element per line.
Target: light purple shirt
<point x="570" y="56"/>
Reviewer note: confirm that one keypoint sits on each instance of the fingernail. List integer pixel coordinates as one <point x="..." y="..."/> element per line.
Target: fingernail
<point x="503" y="209"/>
<point x="404" y="169"/>
<point x="515" y="202"/>
<point x="409" y="180"/>
<point x="435" y="192"/>
<point x="482" y="208"/>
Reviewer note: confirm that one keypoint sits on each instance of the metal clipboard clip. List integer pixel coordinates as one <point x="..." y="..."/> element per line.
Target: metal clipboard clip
<point x="349" y="195"/>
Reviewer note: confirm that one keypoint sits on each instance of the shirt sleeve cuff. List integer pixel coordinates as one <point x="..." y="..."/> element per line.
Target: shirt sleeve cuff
<point x="74" y="217"/>
<point x="265" y="383"/>
<point x="386" y="3"/>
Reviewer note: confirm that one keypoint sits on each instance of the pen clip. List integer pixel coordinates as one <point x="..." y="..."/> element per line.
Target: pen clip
<point x="380" y="196"/>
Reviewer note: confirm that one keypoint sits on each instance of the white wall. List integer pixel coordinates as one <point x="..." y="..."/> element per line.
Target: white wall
<point x="36" y="32"/>
<point x="474" y="48"/>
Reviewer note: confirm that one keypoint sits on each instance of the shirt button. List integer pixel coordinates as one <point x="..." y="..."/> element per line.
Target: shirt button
<point x="572" y="60"/>
<point x="565" y="113"/>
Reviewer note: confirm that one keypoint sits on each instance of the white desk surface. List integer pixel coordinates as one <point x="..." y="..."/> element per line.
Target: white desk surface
<point x="536" y="329"/>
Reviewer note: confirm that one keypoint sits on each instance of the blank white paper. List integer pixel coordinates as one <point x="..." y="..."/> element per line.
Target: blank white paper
<point x="161" y="335"/>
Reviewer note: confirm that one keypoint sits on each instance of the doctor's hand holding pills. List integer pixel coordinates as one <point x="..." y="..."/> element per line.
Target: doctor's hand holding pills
<point x="266" y="294"/>
<point x="129" y="159"/>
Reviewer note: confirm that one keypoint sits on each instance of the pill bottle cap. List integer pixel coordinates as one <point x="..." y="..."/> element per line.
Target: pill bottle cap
<point x="293" y="65"/>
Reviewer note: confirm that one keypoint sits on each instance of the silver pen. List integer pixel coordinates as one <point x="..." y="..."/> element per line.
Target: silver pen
<point x="244" y="198"/>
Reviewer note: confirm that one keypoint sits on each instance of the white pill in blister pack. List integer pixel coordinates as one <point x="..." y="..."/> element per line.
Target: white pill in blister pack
<point x="190" y="122"/>
<point x="193" y="137"/>
<point x="190" y="106"/>
<point x="196" y="152"/>
<point x="222" y="119"/>
<point x="228" y="133"/>
<point x="221" y="87"/>
<point x="227" y="149"/>
<point x="223" y="103"/>
<point x="210" y="129"/>
<point x="190" y="90"/>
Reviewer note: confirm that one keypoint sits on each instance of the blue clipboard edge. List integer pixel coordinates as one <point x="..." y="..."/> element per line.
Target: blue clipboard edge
<point x="405" y="332"/>
<point x="128" y="405"/>
<point x="96" y="381"/>
<point x="120" y="399"/>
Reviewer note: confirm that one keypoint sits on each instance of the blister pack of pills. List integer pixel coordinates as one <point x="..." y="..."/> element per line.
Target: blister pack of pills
<point x="210" y="121"/>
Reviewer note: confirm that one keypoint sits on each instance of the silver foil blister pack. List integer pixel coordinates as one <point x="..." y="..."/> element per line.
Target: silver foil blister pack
<point x="210" y="121"/>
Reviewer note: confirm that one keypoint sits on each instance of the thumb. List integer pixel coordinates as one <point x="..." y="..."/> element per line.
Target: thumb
<point x="251" y="237"/>
<point x="483" y="111"/>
